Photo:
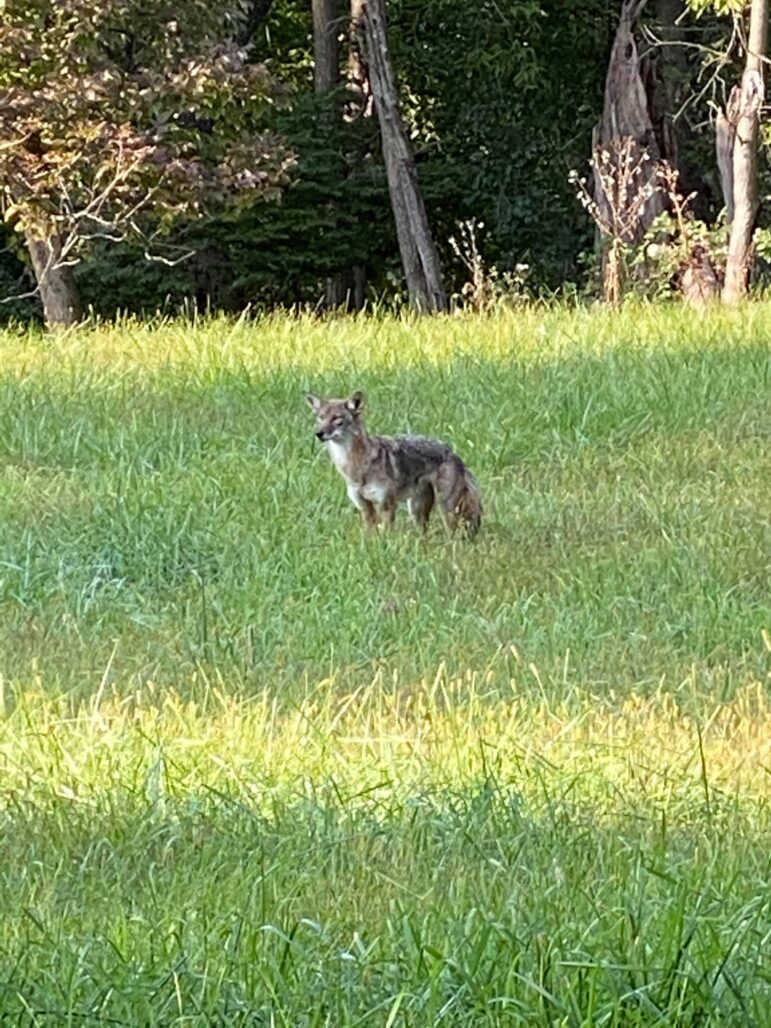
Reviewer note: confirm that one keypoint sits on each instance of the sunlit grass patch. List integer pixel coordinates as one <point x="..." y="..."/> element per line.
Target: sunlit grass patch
<point x="434" y="843"/>
<point x="398" y="736"/>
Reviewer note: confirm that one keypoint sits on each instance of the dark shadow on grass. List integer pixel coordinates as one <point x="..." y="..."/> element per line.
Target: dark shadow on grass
<point x="514" y="411"/>
<point x="134" y="912"/>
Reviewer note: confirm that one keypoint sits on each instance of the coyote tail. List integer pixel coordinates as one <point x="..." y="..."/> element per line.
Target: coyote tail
<point x="468" y="507"/>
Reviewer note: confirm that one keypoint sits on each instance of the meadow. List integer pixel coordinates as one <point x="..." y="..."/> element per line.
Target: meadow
<point x="257" y="768"/>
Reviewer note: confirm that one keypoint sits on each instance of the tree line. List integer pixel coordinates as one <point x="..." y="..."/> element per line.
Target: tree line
<point x="327" y="152"/>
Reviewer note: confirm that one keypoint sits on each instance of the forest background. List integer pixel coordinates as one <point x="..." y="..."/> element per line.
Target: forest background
<point x="500" y="101"/>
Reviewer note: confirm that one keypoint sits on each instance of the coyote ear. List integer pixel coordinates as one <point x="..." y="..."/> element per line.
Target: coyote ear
<point x="314" y="402"/>
<point x="355" y="403"/>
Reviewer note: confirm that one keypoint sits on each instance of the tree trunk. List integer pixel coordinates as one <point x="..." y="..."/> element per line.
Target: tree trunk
<point x="326" y="50"/>
<point x="358" y="105"/>
<point x="744" y="184"/>
<point x="55" y="282"/>
<point x="628" y="114"/>
<point x="326" y="77"/>
<point x="416" y="245"/>
<point x="668" y="67"/>
<point x="725" y="137"/>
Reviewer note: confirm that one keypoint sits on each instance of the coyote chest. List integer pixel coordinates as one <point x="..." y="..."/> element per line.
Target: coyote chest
<point x="354" y="469"/>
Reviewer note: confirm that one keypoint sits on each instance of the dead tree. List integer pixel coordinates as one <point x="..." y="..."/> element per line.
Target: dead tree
<point x="737" y="146"/>
<point x="416" y="245"/>
<point x="626" y="118"/>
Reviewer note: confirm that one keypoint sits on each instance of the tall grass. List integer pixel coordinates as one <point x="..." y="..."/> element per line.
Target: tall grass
<point x="260" y="769"/>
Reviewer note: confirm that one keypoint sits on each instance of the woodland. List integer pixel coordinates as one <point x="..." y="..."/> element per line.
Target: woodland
<point x="334" y="153"/>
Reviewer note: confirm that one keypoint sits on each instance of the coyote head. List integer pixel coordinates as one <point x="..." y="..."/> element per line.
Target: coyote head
<point x="336" y="419"/>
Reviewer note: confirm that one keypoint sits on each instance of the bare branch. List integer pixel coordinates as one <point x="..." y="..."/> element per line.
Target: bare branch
<point x="29" y="295"/>
<point x="168" y="261"/>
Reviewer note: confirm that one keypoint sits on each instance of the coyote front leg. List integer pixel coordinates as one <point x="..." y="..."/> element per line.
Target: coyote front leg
<point x="368" y="514"/>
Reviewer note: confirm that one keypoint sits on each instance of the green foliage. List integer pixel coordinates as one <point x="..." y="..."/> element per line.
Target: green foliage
<point x="334" y="216"/>
<point x="500" y="99"/>
<point x="484" y="91"/>
<point x="111" y="109"/>
<point x="271" y="253"/>
<point x="658" y="262"/>
<point x="503" y="97"/>
<point x="720" y="7"/>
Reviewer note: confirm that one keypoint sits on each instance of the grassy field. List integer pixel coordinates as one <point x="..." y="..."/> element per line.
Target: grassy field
<point x="257" y="769"/>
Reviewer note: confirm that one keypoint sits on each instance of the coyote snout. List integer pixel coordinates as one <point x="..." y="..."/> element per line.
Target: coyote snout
<point x="382" y="471"/>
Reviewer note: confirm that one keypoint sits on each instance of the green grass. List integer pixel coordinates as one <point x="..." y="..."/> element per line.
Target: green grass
<point x="258" y="769"/>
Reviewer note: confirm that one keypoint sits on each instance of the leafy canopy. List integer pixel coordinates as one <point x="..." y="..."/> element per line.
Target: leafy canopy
<point x="113" y="109"/>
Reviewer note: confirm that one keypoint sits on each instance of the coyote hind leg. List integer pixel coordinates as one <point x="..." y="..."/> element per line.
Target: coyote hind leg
<point x="421" y="504"/>
<point x="459" y="498"/>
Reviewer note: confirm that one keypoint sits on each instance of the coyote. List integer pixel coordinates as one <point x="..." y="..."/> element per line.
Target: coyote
<point x="381" y="471"/>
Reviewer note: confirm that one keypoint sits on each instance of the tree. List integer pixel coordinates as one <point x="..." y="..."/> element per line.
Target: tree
<point x="357" y="112"/>
<point x="420" y="260"/>
<point x="326" y="84"/>
<point x="326" y="47"/>
<point x="117" y="115"/>
<point x="626" y="194"/>
<point x="738" y="134"/>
